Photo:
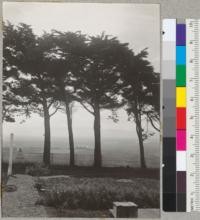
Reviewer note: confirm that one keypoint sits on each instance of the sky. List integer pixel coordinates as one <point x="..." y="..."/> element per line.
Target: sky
<point x="136" y="24"/>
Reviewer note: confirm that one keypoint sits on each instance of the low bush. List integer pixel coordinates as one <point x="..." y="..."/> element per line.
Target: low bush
<point x="37" y="170"/>
<point x="99" y="194"/>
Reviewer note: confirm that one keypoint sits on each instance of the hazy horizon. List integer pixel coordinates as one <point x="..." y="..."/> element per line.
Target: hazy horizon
<point x="115" y="152"/>
<point x="82" y="121"/>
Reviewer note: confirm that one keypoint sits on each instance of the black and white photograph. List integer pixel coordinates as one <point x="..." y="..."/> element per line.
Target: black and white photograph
<point x="80" y="110"/>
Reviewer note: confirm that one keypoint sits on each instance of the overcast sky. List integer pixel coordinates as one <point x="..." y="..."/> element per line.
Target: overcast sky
<point x="137" y="24"/>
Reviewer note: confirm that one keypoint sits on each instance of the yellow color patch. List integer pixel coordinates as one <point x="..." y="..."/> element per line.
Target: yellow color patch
<point x="180" y="96"/>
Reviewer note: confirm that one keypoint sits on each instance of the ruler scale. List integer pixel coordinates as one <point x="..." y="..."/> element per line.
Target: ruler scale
<point x="193" y="114"/>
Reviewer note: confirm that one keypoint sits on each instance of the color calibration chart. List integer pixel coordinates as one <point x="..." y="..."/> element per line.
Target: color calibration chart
<point x="181" y="113"/>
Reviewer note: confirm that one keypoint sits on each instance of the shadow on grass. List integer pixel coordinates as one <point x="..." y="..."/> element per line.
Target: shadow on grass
<point x="114" y="172"/>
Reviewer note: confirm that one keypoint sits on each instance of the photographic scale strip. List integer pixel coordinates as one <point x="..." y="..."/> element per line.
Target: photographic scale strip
<point x="181" y="113"/>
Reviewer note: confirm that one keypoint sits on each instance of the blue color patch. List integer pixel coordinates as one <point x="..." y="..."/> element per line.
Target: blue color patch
<point x="180" y="55"/>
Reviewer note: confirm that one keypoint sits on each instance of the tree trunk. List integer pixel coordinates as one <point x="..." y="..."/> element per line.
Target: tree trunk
<point x="47" y="135"/>
<point x="69" y="122"/>
<point x="97" y="136"/>
<point x="70" y="132"/>
<point x="139" y="133"/>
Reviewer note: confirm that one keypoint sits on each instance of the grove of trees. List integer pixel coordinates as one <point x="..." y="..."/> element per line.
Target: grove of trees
<point x="49" y="73"/>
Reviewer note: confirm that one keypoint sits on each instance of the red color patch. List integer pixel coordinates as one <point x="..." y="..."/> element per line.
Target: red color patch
<point x="181" y="118"/>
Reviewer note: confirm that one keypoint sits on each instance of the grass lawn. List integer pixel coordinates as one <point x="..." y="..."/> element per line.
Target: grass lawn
<point x="94" y="196"/>
<point x="81" y="213"/>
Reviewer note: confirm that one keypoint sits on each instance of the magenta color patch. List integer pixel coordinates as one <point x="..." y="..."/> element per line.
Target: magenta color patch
<point x="181" y="140"/>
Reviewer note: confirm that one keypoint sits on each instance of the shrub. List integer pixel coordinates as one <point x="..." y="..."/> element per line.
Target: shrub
<point x="98" y="193"/>
<point x="37" y="170"/>
<point x="77" y="199"/>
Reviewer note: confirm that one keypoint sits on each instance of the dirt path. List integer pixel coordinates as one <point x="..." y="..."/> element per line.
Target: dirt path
<point x="21" y="203"/>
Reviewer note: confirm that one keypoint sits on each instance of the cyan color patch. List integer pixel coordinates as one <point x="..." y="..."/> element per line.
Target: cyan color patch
<point x="180" y="55"/>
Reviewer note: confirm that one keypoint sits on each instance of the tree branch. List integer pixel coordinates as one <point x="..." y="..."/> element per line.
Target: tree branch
<point x="85" y="107"/>
<point x="152" y="123"/>
<point x="50" y="104"/>
<point x="53" y="113"/>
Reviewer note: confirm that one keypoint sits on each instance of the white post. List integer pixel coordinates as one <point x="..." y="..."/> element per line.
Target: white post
<point x="10" y="154"/>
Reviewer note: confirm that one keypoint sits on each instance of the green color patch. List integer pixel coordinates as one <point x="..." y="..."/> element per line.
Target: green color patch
<point x="180" y="75"/>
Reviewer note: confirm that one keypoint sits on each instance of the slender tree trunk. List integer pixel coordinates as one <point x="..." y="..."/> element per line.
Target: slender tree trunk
<point x="69" y="123"/>
<point x="97" y="136"/>
<point x="139" y="133"/>
<point x="47" y="135"/>
<point x="71" y="137"/>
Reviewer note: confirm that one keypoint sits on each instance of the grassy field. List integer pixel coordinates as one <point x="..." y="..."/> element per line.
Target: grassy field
<point x="77" y="213"/>
<point x="69" y="193"/>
